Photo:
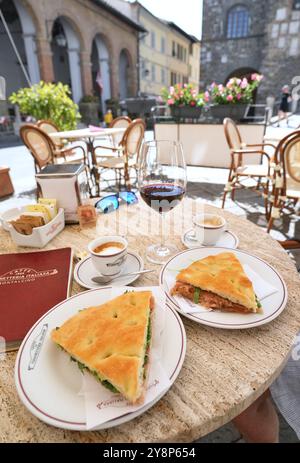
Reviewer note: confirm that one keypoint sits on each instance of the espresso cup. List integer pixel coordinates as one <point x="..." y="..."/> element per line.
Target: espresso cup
<point x="209" y="228"/>
<point x="111" y="261"/>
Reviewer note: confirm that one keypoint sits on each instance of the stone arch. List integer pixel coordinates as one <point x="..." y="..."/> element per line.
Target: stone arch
<point x="35" y="18"/>
<point x="66" y="54"/>
<point x="101" y="67"/>
<point x="126" y="74"/>
<point x="22" y="26"/>
<point x="242" y="72"/>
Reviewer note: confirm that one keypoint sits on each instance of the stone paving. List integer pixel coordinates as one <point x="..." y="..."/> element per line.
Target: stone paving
<point x="204" y="183"/>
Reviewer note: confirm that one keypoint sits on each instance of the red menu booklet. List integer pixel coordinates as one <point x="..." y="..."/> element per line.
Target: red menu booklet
<point x="30" y="284"/>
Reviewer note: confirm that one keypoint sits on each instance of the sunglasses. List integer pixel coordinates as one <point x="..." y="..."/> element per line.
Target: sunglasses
<point x="111" y="203"/>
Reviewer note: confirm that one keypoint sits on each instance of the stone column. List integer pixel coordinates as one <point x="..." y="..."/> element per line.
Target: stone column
<point x="75" y="72"/>
<point x="44" y="54"/>
<point x="104" y="65"/>
<point x="32" y="60"/>
<point x="86" y="73"/>
<point x="115" y="87"/>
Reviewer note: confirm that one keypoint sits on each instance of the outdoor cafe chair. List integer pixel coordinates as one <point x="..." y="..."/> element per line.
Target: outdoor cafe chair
<point x="125" y="154"/>
<point x="286" y="179"/>
<point x="259" y="174"/>
<point x="121" y="122"/>
<point x="50" y="127"/>
<point x="44" y="150"/>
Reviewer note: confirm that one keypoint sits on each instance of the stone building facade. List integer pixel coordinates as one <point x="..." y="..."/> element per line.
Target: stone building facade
<point x="76" y="41"/>
<point x="241" y="37"/>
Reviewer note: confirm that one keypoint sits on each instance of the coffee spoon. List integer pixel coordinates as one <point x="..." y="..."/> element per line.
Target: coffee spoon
<point x="102" y="280"/>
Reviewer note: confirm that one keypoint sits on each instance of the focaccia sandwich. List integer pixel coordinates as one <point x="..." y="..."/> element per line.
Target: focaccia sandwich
<point x="218" y="282"/>
<point x="112" y="341"/>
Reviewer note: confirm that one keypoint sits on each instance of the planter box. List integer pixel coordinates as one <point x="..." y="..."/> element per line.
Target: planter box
<point x="234" y="111"/>
<point x="186" y="112"/>
<point x="89" y="112"/>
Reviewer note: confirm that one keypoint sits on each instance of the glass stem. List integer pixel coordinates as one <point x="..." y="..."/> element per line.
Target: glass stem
<point x="161" y="232"/>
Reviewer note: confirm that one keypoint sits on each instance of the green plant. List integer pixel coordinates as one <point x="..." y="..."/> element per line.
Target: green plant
<point x="182" y="95"/>
<point x="48" y="101"/>
<point x="236" y="91"/>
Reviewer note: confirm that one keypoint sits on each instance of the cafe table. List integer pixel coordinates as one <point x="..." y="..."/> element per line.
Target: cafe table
<point x="224" y="371"/>
<point x="88" y="136"/>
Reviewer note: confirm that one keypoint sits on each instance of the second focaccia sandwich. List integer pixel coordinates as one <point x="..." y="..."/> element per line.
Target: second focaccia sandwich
<point x="112" y="341"/>
<point x="219" y="283"/>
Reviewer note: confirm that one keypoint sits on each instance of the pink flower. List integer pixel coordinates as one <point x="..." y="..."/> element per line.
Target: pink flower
<point x="254" y="76"/>
<point x="238" y="81"/>
<point x="221" y="88"/>
<point x="193" y="103"/>
<point x="229" y="98"/>
<point x="229" y="84"/>
<point x="171" y="101"/>
<point x="244" y="83"/>
<point x="172" y="90"/>
<point x="206" y="96"/>
<point x="239" y="96"/>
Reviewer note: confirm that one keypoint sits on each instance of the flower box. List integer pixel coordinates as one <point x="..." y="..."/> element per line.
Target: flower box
<point x="186" y="112"/>
<point x="234" y="111"/>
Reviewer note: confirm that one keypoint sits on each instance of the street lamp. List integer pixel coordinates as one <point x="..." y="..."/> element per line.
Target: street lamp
<point x="61" y="40"/>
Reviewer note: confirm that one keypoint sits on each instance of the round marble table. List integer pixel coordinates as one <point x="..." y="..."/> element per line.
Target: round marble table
<point x="224" y="371"/>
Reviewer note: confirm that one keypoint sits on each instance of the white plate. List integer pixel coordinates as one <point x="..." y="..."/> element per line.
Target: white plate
<point x="48" y="383"/>
<point x="272" y="305"/>
<point x="227" y="240"/>
<point x="84" y="271"/>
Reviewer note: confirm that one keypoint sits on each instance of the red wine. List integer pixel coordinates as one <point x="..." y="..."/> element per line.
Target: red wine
<point x="162" y="197"/>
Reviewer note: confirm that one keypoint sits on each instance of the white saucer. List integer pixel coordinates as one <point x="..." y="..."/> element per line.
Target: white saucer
<point x="84" y="271"/>
<point x="227" y="240"/>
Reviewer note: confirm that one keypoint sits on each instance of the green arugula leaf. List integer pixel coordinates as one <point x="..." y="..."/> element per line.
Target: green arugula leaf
<point x="197" y="295"/>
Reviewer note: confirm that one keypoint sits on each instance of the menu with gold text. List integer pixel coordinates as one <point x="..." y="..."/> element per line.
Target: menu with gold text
<point x="31" y="283"/>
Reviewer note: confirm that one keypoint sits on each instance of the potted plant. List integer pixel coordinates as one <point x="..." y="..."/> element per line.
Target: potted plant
<point x="48" y="101"/>
<point x="232" y="99"/>
<point x="89" y="107"/>
<point x="184" y="101"/>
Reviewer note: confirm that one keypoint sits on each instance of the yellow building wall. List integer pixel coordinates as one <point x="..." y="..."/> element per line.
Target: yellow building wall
<point x="194" y="65"/>
<point x="156" y="61"/>
<point x="177" y="66"/>
<point x="154" y="72"/>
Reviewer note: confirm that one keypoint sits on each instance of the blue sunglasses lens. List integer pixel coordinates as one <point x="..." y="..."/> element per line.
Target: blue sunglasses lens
<point x="129" y="197"/>
<point x="108" y="204"/>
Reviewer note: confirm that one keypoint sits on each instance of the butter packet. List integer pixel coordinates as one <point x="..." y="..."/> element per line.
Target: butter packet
<point x="40" y="208"/>
<point x="51" y="204"/>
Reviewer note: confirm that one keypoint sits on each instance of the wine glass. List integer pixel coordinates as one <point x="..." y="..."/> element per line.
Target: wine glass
<point x="162" y="185"/>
